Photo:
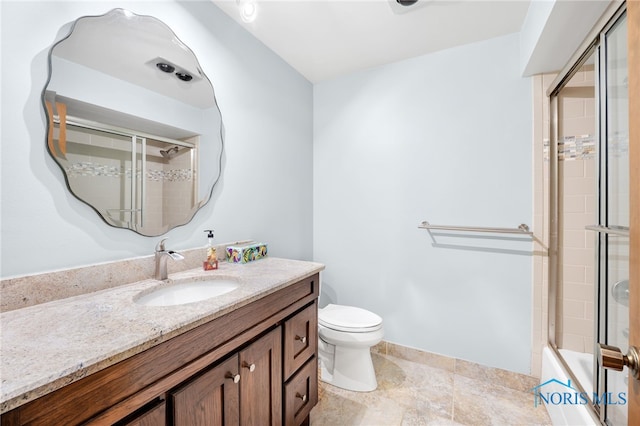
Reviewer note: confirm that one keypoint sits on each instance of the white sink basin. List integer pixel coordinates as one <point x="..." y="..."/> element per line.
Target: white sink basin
<point x="193" y="291"/>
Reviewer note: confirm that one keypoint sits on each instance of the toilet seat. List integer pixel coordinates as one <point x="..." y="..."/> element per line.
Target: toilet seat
<point x="349" y="319"/>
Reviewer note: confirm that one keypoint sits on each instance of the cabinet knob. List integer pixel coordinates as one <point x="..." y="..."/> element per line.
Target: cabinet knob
<point x="251" y="367"/>
<point x="302" y="339"/>
<point x="235" y="377"/>
<point x="302" y="397"/>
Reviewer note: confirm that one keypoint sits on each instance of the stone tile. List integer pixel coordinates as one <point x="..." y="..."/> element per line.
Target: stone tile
<point x="484" y="402"/>
<point x="509" y="379"/>
<point x="414" y="393"/>
<point x="414" y="386"/>
<point x="335" y="409"/>
<point x="416" y="418"/>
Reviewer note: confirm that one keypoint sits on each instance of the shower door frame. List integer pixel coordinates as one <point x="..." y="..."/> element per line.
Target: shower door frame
<point x="633" y="57"/>
<point x="591" y="46"/>
<point x="605" y="230"/>
<point x="554" y="193"/>
<point x="138" y="191"/>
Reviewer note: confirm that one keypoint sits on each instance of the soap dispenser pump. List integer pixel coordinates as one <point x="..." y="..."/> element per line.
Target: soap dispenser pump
<point x="211" y="261"/>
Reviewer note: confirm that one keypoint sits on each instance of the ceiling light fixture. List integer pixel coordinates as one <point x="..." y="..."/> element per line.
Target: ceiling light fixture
<point x="165" y="67"/>
<point x="400" y="7"/>
<point x="184" y="76"/>
<point x="248" y="10"/>
<point x="169" y="69"/>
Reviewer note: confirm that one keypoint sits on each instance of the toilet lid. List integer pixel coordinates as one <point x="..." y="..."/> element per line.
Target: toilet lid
<point x="348" y="318"/>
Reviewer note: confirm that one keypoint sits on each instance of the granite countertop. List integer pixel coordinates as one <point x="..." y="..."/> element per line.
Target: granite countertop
<point x="47" y="346"/>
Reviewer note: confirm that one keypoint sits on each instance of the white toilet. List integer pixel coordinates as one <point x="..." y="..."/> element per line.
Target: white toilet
<point x="345" y="337"/>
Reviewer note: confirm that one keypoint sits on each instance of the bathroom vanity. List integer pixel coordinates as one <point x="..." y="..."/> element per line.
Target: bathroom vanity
<point x="246" y="357"/>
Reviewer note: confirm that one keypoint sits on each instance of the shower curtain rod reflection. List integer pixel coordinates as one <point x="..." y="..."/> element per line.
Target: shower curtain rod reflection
<point x="521" y="229"/>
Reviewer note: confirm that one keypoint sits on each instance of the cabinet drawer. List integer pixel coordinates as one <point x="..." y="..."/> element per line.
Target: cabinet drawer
<point x="301" y="393"/>
<point x="300" y="339"/>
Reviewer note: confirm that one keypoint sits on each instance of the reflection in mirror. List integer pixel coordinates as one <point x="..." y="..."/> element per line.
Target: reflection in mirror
<point x="133" y="122"/>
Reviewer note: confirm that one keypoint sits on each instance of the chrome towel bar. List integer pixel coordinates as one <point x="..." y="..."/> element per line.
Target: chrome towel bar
<point x="615" y="230"/>
<point x="522" y="229"/>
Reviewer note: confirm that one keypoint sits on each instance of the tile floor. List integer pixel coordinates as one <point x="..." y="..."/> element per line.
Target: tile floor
<point x="417" y="388"/>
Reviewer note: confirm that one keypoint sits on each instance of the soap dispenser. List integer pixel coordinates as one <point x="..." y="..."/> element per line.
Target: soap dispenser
<point x="211" y="261"/>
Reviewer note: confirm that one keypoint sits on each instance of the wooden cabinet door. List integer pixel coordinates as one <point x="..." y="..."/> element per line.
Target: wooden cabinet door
<point x="261" y="381"/>
<point x="211" y="399"/>
<point x="156" y="416"/>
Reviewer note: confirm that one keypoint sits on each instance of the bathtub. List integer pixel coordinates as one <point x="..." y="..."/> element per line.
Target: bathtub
<point x="581" y="365"/>
<point x="552" y="368"/>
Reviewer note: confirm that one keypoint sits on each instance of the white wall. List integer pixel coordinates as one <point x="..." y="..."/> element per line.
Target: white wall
<point x="446" y="138"/>
<point x="265" y="192"/>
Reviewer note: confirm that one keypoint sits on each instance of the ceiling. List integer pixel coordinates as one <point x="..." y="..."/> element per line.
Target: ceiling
<point x="128" y="47"/>
<point x="323" y="39"/>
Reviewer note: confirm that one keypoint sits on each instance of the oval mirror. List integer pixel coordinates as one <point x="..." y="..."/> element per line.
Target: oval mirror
<point x="133" y="122"/>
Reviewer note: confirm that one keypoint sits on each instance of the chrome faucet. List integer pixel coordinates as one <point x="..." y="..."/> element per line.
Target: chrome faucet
<point x="161" y="260"/>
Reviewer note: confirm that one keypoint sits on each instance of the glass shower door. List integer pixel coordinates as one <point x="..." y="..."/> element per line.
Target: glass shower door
<point x="613" y="238"/>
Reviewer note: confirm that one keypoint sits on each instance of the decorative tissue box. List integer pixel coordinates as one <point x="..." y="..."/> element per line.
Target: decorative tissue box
<point x="246" y="252"/>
